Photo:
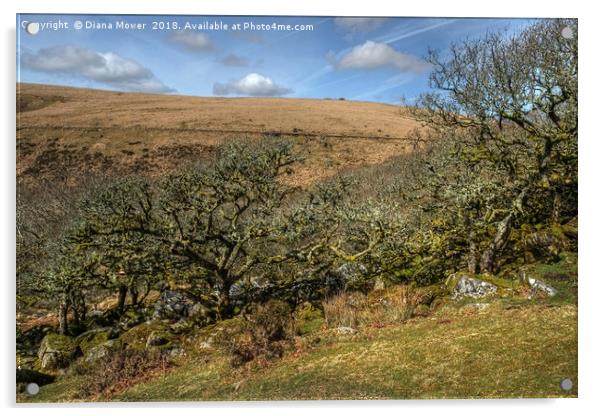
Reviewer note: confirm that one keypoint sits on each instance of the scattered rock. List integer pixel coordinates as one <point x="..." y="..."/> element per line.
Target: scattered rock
<point x="175" y="305"/>
<point x="206" y="345"/>
<point x="476" y="306"/>
<point x="182" y="326"/>
<point x="137" y="337"/>
<point x="95" y="337"/>
<point x="345" y="330"/>
<point x="102" y="351"/>
<point x="379" y="284"/>
<point x="130" y="318"/>
<point x="157" y="338"/>
<point x="177" y="352"/>
<point x="198" y="312"/>
<point x="474" y="288"/>
<point x="352" y="272"/>
<point x="57" y="351"/>
<point x="537" y="286"/>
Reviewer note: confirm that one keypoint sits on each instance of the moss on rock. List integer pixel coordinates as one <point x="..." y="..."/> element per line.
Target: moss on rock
<point x="57" y="351"/>
<point x="137" y="337"/>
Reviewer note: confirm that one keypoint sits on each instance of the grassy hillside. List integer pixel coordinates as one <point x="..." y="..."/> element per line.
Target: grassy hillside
<point x="505" y="350"/>
<point x="62" y="131"/>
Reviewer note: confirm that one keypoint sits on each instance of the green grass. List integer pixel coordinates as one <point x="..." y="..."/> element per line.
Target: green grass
<point x="518" y="351"/>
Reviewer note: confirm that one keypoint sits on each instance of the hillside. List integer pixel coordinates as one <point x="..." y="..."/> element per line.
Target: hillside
<point x="507" y="348"/>
<point x="62" y="131"/>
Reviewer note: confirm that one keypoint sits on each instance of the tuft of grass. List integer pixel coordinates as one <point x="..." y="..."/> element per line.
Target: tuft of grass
<point x="376" y="309"/>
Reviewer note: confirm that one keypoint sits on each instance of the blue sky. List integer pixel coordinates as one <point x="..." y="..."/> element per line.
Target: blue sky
<point x="369" y="59"/>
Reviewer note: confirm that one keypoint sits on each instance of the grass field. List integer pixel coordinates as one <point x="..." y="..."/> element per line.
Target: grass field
<point x="64" y="131"/>
<point x="501" y="352"/>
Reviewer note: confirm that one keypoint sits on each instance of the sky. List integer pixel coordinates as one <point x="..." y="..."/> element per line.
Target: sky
<point x="366" y="59"/>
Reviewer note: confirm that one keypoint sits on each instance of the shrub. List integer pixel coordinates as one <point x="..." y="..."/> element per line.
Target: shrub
<point x="308" y="319"/>
<point x="264" y="335"/>
<point x="120" y="371"/>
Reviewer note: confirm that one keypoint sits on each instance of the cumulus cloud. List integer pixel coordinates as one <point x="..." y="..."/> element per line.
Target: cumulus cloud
<point x="193" y="41"/>
<point x="253" y="84"/>
<point x="104" y="67"/>
<point x="356" y="25"/>
<point x="234" y="60"/>
<point x="373" y="55"/>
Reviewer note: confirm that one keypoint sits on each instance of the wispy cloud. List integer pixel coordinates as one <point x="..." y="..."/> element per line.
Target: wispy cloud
<point x="234" y="60"/>
<point x="358" y="25"/>
<point x="251" y="37"/>
<point x="392" y="38"/>
<point x="192" y="41"/>
<point x="389" y="84"/>
<point x="103" y="67"/>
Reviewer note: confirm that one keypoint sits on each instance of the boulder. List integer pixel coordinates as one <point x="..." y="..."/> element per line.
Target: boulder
<point x="94" y="337"/>
<point x="176" y="305"/>
<point x="198" y="312"/>
<point x="131" y="318"/>
<point x="57" y="351"/>
<point x="470" y="287"/>
<point x="157" y="338"/>
<point x="537" y="286"/>
<point x="102" y="351"/>
<point x="137" y="337"/>
<point x="352" y="272"/>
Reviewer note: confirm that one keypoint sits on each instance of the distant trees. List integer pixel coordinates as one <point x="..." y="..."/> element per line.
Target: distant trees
<point x="509" y="104"/>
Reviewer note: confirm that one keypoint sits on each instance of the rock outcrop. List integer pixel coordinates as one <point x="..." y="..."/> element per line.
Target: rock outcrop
<point x="470" y="287"/>
<point x="57" y="351"/>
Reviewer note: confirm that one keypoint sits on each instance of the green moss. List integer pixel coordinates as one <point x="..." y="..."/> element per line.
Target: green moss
<point x="91" y="339"/>
<point x="136" y="337"/>
<point x="58" y="342"/>
<point x="308" y="319"/>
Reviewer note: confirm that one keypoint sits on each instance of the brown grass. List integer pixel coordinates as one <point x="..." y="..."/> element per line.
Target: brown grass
<point x="62" y="129"/>
<point x="375" y="310"/>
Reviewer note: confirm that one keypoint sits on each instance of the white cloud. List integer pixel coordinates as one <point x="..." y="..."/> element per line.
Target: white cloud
<point x="104" y="67"/>
<point x="253" y="84"/>
<point x="193" y="41"/>
<point x="355" y="25"/>
<point x="373" y="55"/>
<point x="234" y="60"/>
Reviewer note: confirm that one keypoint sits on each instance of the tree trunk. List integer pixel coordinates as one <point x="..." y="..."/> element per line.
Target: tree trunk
<point x="63" y="320"/>
<point x="134" y="295"/>
<point x="490" y="254"/>
<point x="499" y="241"/>
<point x="556" y="207"/>
<point x="473" y="255"/>
<point x="225" y="307"/>
<point x="123" y="291"/>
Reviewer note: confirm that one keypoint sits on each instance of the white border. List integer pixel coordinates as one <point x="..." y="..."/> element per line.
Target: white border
<point x="590" y="274"/>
